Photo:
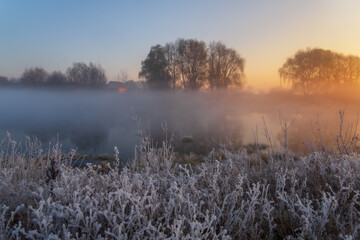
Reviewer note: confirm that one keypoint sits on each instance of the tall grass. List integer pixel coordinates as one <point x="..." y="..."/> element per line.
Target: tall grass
<point x="230" y="194"/>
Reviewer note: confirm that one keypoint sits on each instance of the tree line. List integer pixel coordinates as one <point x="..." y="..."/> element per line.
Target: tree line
<point x="78" y="75"/>
<point x="189" y="64"/>
<point x="316" y="68"/>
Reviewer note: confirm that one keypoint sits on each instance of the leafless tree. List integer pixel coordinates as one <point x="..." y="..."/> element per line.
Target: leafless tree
<point x="34" y="76"/>
<point x="318" y="68"/>
<point x="57" y="78"/>
<point x="226" y="67"/>
<point x="4" y="80"/>
<point x="91" y="75"/>
<point x="187" y="63"/>
<point x="192" y="62"/>
<point x="123" y="76"/>
<point x="171" y="56"/>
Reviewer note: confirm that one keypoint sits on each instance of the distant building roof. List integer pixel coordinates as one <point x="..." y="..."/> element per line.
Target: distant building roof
<point x="128" y="85"/>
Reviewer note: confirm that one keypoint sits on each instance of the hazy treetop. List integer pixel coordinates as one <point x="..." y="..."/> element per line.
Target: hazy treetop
<point x="319" y="69"/>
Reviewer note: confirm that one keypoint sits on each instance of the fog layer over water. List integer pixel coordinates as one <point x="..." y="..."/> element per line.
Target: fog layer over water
<point x="96" y="121"/>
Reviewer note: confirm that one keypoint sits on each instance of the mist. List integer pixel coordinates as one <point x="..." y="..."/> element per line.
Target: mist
<point x="94" y="121"/>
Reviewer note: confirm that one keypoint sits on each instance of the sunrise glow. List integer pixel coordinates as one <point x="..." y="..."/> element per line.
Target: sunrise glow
<point x="181" y="119"/>
<point x="264" y="33"/>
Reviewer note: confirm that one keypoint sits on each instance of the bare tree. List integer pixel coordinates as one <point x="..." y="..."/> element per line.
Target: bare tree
<point x="57" y="78"/>
<point x="34" y="76"/>
<point x="171" y="56"/>
<point x="123" y="76"/>
<point x="86" y="76"/>
<point x="192" y="62"/>
<point x="4" y="81"/>
<point x="318" y="68"/>
<point x="226" y="67"/>
<point x="188" y="63"/>
<point x="97" y="76"/>
<point x="351" y="70"/>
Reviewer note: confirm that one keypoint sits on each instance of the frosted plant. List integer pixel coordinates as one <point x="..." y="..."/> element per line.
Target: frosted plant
<point x="226" y="196"/>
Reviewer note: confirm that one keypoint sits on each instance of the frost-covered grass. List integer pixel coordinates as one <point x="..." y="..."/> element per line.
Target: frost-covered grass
<point x="230" y="194"/>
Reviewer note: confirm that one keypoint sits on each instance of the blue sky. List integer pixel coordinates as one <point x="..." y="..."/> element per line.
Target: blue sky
<point x="118" y="34"/>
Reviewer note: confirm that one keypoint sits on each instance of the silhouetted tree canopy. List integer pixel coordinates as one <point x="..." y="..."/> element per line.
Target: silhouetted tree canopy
<point x="79" y="75"/>
<point x="34" y="76"/>
<point x="171" y="57"/>
<point x="192" y="62"/>
<point x="154" y="69"/>
<point x="57" y="78"/>
<point x="226" y="67"/>
<point x="92" y="76"/>
<point x="4" y="80"/>
<point x="187" y="63"/>
<point x="315" y="68"/>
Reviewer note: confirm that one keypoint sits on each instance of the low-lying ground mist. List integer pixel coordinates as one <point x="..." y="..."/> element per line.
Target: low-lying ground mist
<point x="227" y="193"/>
<point x="96" y="121"/>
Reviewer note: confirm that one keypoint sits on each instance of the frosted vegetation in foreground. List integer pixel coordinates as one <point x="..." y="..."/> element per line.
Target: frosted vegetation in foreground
<point x="230" y="194"/>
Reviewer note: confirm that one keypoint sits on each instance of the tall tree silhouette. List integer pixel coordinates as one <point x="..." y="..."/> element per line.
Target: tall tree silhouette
<point x="57" y="78"/>
<point x="187" y="63"/>
<point x="34" y="76"/>
<point x="171" y="57"/>
<point x="226" y="67"/>
<point x="192" y="62"/>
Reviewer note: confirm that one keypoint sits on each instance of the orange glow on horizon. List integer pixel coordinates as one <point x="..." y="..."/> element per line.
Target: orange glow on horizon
<point x="122" y="90"/>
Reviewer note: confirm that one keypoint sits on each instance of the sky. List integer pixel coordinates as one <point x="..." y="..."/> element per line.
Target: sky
<point x="119" y="34"/>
